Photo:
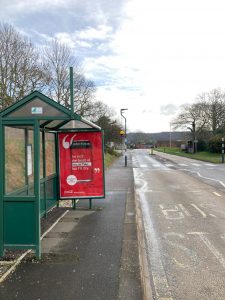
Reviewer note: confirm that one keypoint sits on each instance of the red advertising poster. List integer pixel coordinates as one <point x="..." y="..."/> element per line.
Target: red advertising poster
<point x="81" y="165"/>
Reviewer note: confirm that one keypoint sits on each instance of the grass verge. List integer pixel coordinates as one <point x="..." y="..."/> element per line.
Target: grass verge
<point x="109" y="159"/>
<point x="203" y="155"/>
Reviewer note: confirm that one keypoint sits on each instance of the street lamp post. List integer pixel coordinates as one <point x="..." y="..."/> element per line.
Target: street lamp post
<point x="222" y="150"/>
<point x="125" y="134"/>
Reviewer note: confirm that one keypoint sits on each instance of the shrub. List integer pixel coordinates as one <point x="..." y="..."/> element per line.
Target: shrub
<point x="215" y="144"/>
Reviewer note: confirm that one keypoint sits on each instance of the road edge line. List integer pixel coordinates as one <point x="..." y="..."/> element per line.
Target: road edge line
<point x="145" y="276"/>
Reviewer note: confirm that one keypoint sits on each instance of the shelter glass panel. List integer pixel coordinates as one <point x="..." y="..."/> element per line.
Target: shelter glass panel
<point x="14" y="159"/>
<point x="30" y="169"/>
<point x="50" y="154"/>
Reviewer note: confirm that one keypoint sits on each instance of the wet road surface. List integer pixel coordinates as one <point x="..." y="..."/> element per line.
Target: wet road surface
<point x="184" y="223"/>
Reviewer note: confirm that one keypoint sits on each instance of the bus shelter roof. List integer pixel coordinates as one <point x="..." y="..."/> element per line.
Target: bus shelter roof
<point x="50" y="114"/>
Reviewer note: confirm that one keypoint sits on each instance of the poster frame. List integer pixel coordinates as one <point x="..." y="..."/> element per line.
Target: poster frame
<point x="103" y="165"/>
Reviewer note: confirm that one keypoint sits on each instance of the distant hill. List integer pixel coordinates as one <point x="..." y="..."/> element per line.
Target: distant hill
<point x="140" y="137"/>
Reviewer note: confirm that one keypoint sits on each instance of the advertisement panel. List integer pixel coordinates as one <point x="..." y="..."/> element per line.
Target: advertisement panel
<point x="81" y="165"/>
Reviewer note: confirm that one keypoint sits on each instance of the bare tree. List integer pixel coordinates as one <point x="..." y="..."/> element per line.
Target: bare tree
<point x="57" y="60"/>
<point x="214" y="106"/>
<point x="193" y="118"/>
<point x="84" y="95"/>
<point x="99" y="109"/>
<point x="21" y="71"/>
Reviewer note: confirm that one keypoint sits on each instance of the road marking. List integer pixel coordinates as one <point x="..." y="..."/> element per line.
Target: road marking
<point x="217" y="194"/>
<point x="176" y="244"/>
<point x="208" y="178"/>
<point x="184" y="210"/>
<point x="169" y="165"/>
<point x="212" y="215"/>
<point x="210" y="246"/>
<point x="195" y="164"/>
<point x="210" y="165"/>
<point x="156" y="165"/>
<point x="172" y="214"/>
<point x="221" y="182"/>
<point x="143" y="166"/>
<point x="199" y="210"/>
<point x="153" y="250"/>
<point x="183" y="165"/>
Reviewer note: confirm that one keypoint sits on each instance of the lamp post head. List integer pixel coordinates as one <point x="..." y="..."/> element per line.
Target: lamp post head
<point x="122" y="110"/>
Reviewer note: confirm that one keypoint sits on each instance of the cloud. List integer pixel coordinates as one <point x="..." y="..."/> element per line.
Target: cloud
<point x="168" y="109"/>
<point x="102" y="32"/>
<point x="146" y="111"/>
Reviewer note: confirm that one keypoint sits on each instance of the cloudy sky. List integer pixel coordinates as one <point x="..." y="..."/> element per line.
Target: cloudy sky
<point x="150" y="56"/>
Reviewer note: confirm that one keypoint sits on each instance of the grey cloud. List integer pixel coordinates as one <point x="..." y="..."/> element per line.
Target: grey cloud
<point x="45" y="19"/>
<point x="61" y="16"/>
<point x="168" y="110"/>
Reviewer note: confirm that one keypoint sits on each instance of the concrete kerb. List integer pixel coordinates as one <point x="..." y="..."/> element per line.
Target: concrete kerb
<point x="145" y="276"/>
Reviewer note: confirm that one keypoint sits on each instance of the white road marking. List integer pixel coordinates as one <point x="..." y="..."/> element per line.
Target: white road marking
<point x="183" y="165"/>
<point x="210" y="165"/>
<point x="157" y="269"/>
<point x="184" y="210"/>
<point x="172" y="214"/>
<point x="169" y="165"/>
<point x="189" y="253"/>
<point x="210" y="246"/>
<point x="208" y="178"/>
<point x="156" y="165"/>
<point x="217" y="194"/>
<point x="195" y="164"/>
<point x="143" y="166"/>
<point x="199" y="210"/>
<point x="212" y="215"/>
<point x="221" y="182"/>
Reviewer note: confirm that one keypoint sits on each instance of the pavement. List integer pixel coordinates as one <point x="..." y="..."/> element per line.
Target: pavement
<point x="87" y="254"/>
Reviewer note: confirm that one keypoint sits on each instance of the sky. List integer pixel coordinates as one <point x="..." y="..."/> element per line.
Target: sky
<point x="148" y="56"/>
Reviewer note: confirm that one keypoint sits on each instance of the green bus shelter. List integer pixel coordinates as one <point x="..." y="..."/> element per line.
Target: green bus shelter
<point x="29" y="166"/>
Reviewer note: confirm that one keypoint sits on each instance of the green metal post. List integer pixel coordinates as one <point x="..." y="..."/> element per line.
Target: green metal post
<point x="57" y="167"/>
<point x="26" y="175"/>
<point x="90" y="203"/>
<point x="103" y="158"/>
<point x="2" y="183"/>
<point x="44" y="170"/>
<point x="74" y="204"/>
<point x="37" y="186"/>
<point x="71" y="92"/>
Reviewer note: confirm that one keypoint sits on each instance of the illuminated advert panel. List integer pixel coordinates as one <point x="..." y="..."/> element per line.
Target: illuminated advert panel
<point x="81" y="165"/>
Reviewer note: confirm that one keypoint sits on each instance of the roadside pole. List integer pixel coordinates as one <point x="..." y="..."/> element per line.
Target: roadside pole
<point x="125" y="134"/>
<point x="222" y="150"/>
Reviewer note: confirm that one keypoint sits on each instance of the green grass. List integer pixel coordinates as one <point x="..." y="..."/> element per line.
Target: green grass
<point x="203" y="155"/>
<point x="109" y="159"/>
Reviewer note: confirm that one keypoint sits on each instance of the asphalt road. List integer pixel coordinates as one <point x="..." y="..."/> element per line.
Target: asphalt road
<point x="183" y="208"/>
